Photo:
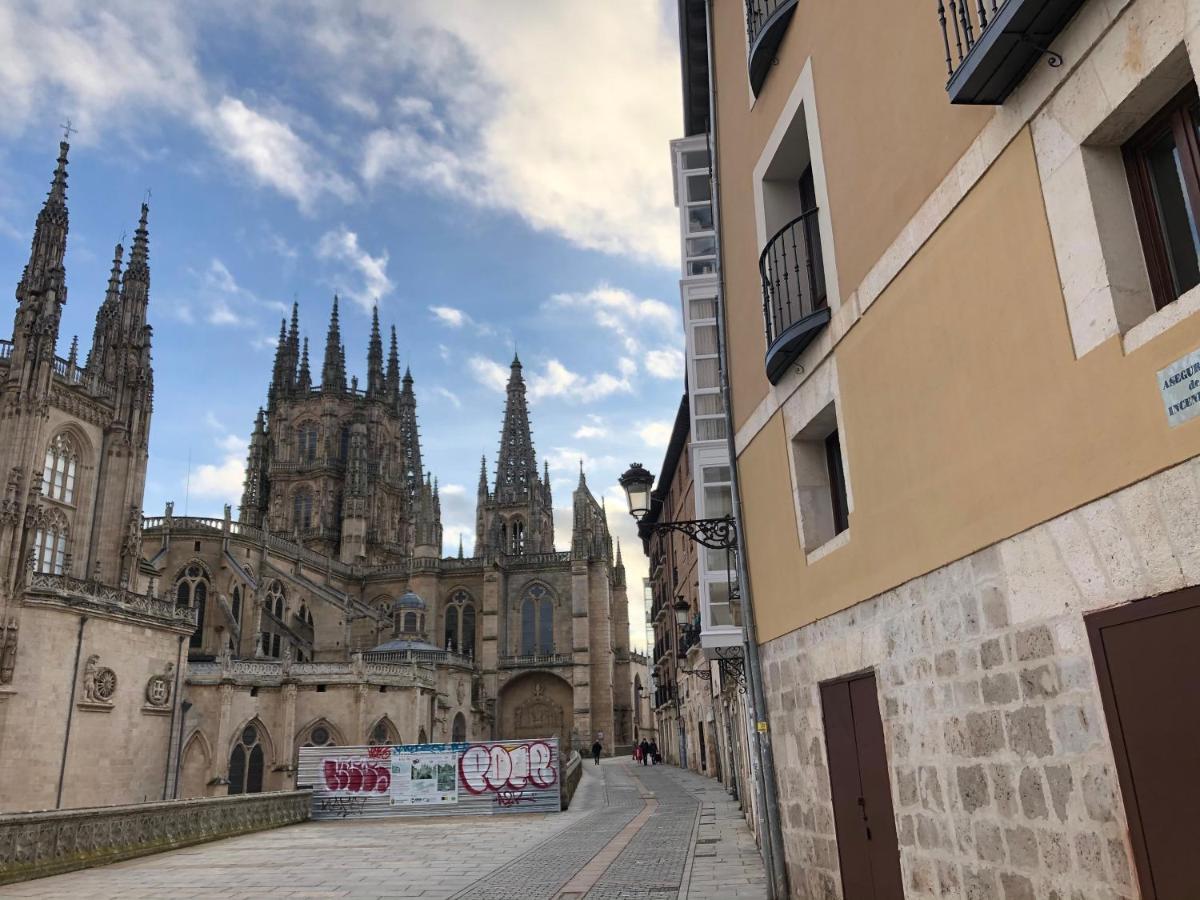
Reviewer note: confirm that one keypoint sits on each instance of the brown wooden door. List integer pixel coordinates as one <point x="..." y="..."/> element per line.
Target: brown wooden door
<point x="1148" y="664"/>
<point x="862" y="795"/>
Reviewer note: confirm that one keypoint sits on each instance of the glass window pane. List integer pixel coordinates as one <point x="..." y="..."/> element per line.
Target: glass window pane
<point x="700" y="218"/>
<point x="708" y="404"/>
<point x="704" y="339"/>
<point x="719" y="560"/>
<point x="706" y="373"/>
<point x="718" y="603"/>
<point x="701" y="267"/>
<point x="710" y="429"/>
<point x="703" y="308"/>
<point x="47" y="472"/>
<point x="69" y="495"/>
<point x="716" y="474"/>
<point x="718" y="501"/>
<point x="695" y="159"/>
<point x="702" y="246"/>
<point x="1175" y="214"/>
<point x="698" y="188"/>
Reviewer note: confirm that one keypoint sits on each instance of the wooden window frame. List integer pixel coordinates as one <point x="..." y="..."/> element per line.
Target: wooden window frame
<point x="1173" y="118"/>
<point x="838" y="497"/>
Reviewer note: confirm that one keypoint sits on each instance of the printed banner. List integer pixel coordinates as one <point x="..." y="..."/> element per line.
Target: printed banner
<point x="421" y="777"/>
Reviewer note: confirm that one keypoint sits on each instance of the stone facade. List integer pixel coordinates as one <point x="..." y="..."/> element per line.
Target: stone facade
<point x="325" y="614"/>
<point x="1002" y="773"/>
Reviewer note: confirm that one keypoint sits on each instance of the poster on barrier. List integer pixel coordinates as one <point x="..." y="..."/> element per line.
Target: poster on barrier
<point x="422" y="777"/>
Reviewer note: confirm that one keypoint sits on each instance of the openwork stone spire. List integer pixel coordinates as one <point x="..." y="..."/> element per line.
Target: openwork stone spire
<point x="516" y="466"/>
<point x="103" y="336"/>
<point x="333" y="372"/>
<point x="304" y="381"/>
<point x="393" y="370"/>
<point x="375" y="382"/>
<point x="410" y="436"/>
<point x="44" y="271"/>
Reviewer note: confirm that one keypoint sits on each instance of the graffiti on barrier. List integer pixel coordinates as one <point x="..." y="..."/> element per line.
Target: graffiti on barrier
<point x="512" y="798"/>
<point x="511" y="767"/>
<point x="341" y="807"/>
<point x="356" y="776"/>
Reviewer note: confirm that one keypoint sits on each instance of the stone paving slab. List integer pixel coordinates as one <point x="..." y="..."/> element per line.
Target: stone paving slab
<point x="518" y="857"/>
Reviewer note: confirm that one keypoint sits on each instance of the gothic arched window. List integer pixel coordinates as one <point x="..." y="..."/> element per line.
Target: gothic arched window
<point x="50" y="544"/>
<point x="58" y="477"/>
<point x="237" y="605"/>
<point x="384" y="733"/>
<point x="344" y="444"/>
<point x="319" y="735"/>
<point x="422" y="738"/>
<point x="460" y="624"/>
<point x="306" y="442"/>
<point x="276" y="599"/>
<point x="537" y="622"/>
<point x="459" y="732"/>
<point x="518" y="537"/>
<point x="302" y="508"/>
<point x="191" y="589"/>
<point x="246" y="763"/>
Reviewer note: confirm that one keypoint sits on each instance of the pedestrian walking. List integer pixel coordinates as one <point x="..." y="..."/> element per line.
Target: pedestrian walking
<point x="655" y="759"/>
<point x="597" y="749"/>
<point x="637" y="752"/>
<point x="644" y="750"/>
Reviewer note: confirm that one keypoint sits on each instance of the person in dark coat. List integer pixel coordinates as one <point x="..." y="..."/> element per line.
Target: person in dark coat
<point x="655" y="759"/>
<point x="597" y="749"/>
<point x="644" y="751"/>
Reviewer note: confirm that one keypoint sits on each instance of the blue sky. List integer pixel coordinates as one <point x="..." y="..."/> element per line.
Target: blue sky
<point x="493" y="174"/>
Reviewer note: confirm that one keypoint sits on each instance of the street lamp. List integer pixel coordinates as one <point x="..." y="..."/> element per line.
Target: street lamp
<point x="716" y="534"/>
<point x="683" y="612"/>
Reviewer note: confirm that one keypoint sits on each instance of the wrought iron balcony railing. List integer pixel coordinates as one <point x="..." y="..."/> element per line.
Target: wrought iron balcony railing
<point x="991" y="45"/>
<point x="766" y="21"/>
<point x="795" y="306"/>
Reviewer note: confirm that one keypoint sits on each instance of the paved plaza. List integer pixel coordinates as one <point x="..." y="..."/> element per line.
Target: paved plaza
<point x="632" y="833"/>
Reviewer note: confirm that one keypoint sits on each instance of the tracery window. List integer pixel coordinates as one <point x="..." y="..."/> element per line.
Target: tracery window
<point x="50" y="544"/>
<point x="237" y="604"/>
<point x="276" y="599"/>
<point x="304" y="614"/>
<point x="384" y="733"/>
<point x="191" y="589"/>
<point x="459" y="732"/>
<point x="319" y="735"/>
<point x="306" y="442"/>
<point x="459" y="630"/>
<point x="537" y="622"/>
<point x="302" y="508"/>
<point x="246" y="763"/>
<point x="518" y="537"/>
<point x="58" y="477"/>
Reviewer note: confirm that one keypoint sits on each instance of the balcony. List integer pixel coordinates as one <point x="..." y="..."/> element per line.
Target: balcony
<point x="537" y="661"/>
<point x="990" y="46"/>
<point x="766" y="21"/>
<point x="795" y="308"/>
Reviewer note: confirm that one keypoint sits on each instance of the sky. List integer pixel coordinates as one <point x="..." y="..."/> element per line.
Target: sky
<point x="494" y="175"/>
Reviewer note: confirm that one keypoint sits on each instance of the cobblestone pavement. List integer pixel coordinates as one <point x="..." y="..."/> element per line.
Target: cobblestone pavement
<point x="632" y="833"/>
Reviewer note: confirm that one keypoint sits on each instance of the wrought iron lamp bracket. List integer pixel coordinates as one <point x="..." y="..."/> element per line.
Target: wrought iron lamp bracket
<point x="1053" y="58"/>
<point x="732" y="665"/>
<point x="715" y="534"/>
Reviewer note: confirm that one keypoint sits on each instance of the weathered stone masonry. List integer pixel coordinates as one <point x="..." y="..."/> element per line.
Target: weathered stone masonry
<point x="1001" y="769"/>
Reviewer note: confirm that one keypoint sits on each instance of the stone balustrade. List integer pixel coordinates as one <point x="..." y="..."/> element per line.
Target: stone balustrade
<point x="101" y="598"/>
<point x="273" y="671"/>
<point x="37" y="844"/>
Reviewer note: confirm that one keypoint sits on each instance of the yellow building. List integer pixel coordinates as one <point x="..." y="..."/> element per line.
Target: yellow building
<point x="959" y="264"/>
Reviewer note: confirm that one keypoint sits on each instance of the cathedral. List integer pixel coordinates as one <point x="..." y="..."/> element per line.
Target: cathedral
<point x="149" y="658"/>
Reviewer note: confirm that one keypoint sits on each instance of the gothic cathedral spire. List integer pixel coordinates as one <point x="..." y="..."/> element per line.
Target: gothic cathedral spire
<point x="375" y="358"/>
<point x="516" y="467"/>
<point x="333" y="372"/>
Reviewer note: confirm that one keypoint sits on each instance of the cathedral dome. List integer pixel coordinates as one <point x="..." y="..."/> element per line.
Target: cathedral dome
<point x="408" y="600"/>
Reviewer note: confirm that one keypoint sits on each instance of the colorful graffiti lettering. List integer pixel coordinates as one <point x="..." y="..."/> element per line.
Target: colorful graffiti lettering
<point x="383" y="752"/>
<point x="512" y="767"/>
<point x="356" y="776"/>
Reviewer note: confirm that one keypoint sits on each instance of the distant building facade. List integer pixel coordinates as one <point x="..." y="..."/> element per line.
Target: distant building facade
<point x="203" y="653"/>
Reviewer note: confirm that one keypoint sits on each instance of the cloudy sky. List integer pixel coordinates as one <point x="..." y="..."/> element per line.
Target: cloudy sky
<point x="493" y="173"/>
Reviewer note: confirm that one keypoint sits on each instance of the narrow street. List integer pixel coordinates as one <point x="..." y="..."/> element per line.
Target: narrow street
<point x="642" y="833"/>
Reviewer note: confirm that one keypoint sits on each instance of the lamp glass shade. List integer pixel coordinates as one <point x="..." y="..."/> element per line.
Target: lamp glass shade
<point x="682" y="612"/>
<point x="637" y="483"/>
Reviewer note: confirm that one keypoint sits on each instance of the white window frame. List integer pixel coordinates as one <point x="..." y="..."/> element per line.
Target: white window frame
<point x="704" y="457"/>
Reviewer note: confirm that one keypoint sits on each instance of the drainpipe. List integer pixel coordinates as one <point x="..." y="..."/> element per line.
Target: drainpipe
<point x="171" y="730"/>
<point x="183" y="711"/>
<point x="62" y="768"/>
<point x="766" y="786"/>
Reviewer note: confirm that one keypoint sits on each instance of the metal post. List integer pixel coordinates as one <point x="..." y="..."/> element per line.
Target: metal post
<point x="766" y="787"/>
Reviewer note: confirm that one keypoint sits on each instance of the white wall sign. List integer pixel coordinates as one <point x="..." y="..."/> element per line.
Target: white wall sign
<point x="1180" y="386"/>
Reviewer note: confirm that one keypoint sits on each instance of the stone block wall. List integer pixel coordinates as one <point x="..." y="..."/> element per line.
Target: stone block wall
<point x="34" y="845"/>
<point x="1001" y="768"/>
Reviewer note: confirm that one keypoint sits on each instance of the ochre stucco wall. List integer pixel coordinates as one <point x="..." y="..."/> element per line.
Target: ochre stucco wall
<point x="888" y="135"/>
<point x="967" y="417"/>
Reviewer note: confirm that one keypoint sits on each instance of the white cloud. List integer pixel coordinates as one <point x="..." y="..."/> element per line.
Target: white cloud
<point x="452" y="490"/>
<point x="593" y="428"/>
<point x="666" y="363"/>
<point x="569" y="134"/>
<point x="273" y="153"/>
<point x="220" y="314"/>
<point x="656" y="434"/>
<point x="262" y="343"/>
<point x="556" y="380"/>
<point x="222" y="480"/>
<point x="449" y="396"/>
<point x="448" y="315"/>
<point x="488" y="372"/>
<point x="341" y="245"/>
